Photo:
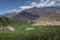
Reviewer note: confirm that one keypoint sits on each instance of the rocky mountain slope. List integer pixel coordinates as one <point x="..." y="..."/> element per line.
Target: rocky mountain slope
<point x="34" y="13"/>
<point x="51" y="20"/>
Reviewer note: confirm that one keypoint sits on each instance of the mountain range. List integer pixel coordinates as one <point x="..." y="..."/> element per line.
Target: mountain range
<point x="10" y="15"/>
<point x="33" y="13"/>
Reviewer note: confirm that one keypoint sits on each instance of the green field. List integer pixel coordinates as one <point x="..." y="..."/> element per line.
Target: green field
<point x="38" y="33"/>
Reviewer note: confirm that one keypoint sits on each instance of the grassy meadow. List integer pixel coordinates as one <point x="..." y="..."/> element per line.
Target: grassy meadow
<point x="38" y="33"/>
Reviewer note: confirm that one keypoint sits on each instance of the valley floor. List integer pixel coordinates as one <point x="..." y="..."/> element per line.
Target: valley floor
<point x="37" y="33"/>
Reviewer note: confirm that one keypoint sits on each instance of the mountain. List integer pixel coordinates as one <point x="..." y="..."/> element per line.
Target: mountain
<point x="0" y="15"/>
<point x="25" y="16"/>
<point x="34" y="13"/>
<point x="9" y="15"/>
<point x="53" y="20"/>
<point x="55" y="17"/>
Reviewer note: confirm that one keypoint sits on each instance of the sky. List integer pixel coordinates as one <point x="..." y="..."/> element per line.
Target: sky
<point x="7" y="6"/>
<point x="14" y="5"/>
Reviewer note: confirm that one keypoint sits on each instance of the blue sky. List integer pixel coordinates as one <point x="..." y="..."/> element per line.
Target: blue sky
<point x="7" y="5"/>
<point x="18" y="5"/>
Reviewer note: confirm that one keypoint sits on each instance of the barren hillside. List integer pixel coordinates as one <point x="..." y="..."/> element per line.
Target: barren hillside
<point x="51" y="20"/>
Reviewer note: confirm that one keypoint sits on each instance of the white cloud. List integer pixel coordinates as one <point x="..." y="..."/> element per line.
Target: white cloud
<point x="42" y="3"/>
<point x="51" y="3"/>
<point x="34" y="4"/>
<point x="25" y="7"/>
<point x="46" y="3"/>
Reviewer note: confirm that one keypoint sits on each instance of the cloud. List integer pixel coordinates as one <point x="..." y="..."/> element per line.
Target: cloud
<point x="42" y="3"/>
<point x="46" y="3"/>
<point x="25" y="7"/>
<point x="52" y="3"/>
<point x="34" y="4"/>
